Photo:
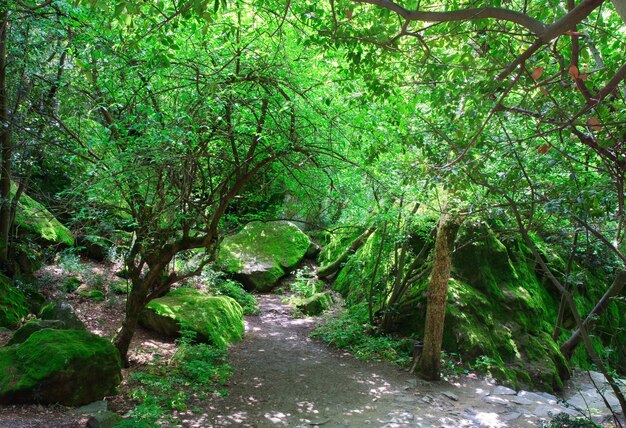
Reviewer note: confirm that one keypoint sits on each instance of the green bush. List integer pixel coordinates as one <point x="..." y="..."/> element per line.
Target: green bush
<point x="563" y="420"/>
<point x="351" y="331"/>
<point x="120" y="287"/>
<point x="233" y="289"/>
<point x="70" y="284"/>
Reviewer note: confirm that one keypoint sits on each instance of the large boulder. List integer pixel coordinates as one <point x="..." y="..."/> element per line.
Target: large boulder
<point x="69" y="367"/>
<point x="13" y="305"/>
<point x="35" y="219"/>
<point x="262" y="253"/>
<point x="214" y="319"/>
<point x="27" y="330"/>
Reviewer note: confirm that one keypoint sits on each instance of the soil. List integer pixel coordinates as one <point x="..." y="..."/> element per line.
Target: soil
<point x="282" y="378"/>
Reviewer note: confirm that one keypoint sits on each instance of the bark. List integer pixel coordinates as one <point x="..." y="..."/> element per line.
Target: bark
<point x="429" y="362"/>
<point x="134" y="305"/>
<point x="331" y="268"/>
<point x="5" y="150"/>
<point x="568" y="348"/>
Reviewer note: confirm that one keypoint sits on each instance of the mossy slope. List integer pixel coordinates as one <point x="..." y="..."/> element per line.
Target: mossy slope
<point x="70" y="367"/>
<point x="214" y="319"/>
<point x="498" y="315"/>
<point x="13" y="305"/>
<point x="34" y="218"/>
<point x="262" y="253"/>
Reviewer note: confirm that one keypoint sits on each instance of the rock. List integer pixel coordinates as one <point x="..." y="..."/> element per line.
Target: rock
<point x="95" y="407"/>
<point x="521" y="401"/>
<point x="35" y="219"/>
<point x="496" y="400"/>
<point x="313" y="251"/>
<point x="451" y="396"/>
<point x="25" y="331"/>
<point x="503" y="390"/>
<point x="533" y="396"/>
<point x="13" y="306"/>
<point x="64" y="312"/>
<point x="69" y="367"/>
<point x="511" y="416"/>
<point x="104" y="419"/>
<point x="316" y="304"/>
<point x="262" y="253"/>
<point x="214" y="319"/>
<point x="592" y="400"/>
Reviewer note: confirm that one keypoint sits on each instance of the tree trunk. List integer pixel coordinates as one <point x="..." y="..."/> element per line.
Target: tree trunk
<point x="568" y="347"/>
<point x="331" y="268"/>
<point x="5" y="149"/>
<point x="134" y="305"/>
<point x="429" y="362"/>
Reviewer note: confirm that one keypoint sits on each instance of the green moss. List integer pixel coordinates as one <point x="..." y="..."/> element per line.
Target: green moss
<point x="216" y="319"/>
<point x="67" y="366"/>
<point x="281" y="242"/>
<point x="261" y="253"/>
<point x="36" y="219"/>
<point x="13" y="306"/>
<point x="316" y="304"/>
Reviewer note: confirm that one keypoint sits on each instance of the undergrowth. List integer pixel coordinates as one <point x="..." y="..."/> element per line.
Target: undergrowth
<point x="227" y="287"/>
<point x="563" y="420"/>
<point x="194" y="373"/>
<point x="350" y="330"/>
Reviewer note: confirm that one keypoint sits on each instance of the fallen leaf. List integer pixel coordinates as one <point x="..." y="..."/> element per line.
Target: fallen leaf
<point x="537" y="72"/>
<point x="543" y="149"/>
<point x="594" y="123"/>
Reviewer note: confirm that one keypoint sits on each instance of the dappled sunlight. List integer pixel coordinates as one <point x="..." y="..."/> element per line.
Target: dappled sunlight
<point x="277" y="418"/>
<point x="307" y="407"/>
<point x="491" y="420"/>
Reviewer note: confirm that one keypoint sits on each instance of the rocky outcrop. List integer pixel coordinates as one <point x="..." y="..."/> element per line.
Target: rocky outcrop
<point x="214" y="319"/>
<point x="316" y="304"/>
<point x="69" y="367"/>
<point x="499" y="315"/>
<point x="262" y="253"/>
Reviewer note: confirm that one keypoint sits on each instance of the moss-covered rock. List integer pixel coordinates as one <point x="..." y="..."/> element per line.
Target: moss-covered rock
<point x="262" y="253"/>
<point x="499" y="313"/>
<point x="70" y="367"/>
<point x="64" y="312"/>
<point x="25" y="331"/>
<point x="35" y="219"/>
<point x="214" y="319"/>
<point x="316" y="304"/>
<point x="13" y="305"/>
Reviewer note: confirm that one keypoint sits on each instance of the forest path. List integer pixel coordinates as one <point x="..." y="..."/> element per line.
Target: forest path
<point x="284" y="378"/>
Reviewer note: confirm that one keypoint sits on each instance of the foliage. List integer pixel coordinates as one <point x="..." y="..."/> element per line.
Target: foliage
<point x="230" y="288"/>
<point x="196" y="372"/>
<point x="563" y="420"/>
<point x="350" y="331"/>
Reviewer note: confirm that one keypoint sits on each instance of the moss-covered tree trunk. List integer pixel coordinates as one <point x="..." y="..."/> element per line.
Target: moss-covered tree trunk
<point x="429" y="362"/>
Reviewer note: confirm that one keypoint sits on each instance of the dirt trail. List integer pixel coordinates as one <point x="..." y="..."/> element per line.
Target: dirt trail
<point x="284" y="378"/>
